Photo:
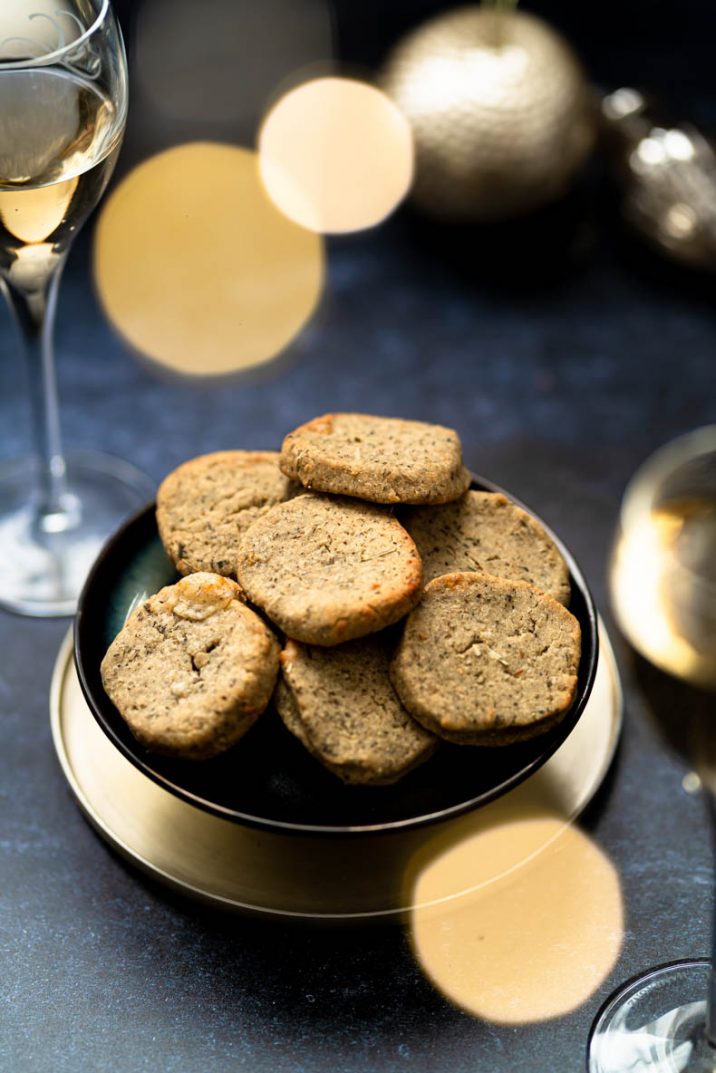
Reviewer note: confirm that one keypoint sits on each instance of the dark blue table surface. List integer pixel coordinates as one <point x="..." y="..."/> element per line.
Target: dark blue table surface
<point x="558" y="388"/>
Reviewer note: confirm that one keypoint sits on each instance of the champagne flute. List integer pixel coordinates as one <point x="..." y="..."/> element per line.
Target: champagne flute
<point x="663" y="583"/>
<point x="63" y="107"/>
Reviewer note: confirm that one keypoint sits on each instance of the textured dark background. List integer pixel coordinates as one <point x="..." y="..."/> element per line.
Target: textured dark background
<point x="666" y="45"/>
<point x="560" y="378"/>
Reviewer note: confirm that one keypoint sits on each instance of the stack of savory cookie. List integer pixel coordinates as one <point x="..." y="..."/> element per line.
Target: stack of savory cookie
<point x="488" y="653"/>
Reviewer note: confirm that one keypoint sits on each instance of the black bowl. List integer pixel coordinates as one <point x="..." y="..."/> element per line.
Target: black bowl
<point x="268" y="780"/>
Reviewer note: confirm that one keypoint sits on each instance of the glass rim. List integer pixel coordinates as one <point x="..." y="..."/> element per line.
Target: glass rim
<point x="50" y="57"/>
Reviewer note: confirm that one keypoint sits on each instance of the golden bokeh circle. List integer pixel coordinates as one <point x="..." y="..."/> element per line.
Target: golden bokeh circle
<point x="197" y="268"/>
<point x="336" y="155"/>
<point x="533" y="945"/>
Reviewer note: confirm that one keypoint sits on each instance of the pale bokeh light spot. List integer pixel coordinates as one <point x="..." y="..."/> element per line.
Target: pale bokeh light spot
<point x="537" y="943"/>
<point x="691" y="783"/>
<point x="678" y="145"/>
<point x="336" y="155"/>
<point x="197" y="268"/>
<point x="679" y="221"/>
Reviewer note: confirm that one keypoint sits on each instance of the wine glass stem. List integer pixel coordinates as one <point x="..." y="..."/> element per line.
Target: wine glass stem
<point x="711" y="1001"/>
<point x="34" y="310"/>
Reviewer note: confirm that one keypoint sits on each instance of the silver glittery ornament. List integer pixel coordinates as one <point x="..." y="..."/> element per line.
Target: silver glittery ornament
<point x="501" y="113"/>
<point x="666" y="174"/>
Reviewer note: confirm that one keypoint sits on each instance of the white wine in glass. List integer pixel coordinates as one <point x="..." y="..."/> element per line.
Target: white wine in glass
<point x="663" y="573"/>
<point x="63" y="107"/>
<point x="663" y="586"/>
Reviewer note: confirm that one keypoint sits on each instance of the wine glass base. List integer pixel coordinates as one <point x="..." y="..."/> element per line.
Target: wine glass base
<point x="656" y="1024"/>
<point x="42" y="572"/>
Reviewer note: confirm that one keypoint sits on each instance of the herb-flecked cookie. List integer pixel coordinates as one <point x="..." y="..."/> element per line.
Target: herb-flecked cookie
<point x="205" y="505"/>
<point x="487" y="661"/>
<point x="192" y="668"/>
<point x="339" y="702"/>
<point x="381" y="459"/>
<point x="328" y="570"/>
<point x="486" y="533"/>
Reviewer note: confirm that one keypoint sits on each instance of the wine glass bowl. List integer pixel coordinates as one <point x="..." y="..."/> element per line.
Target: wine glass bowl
<point x="663" y="570"/>
<point x="663" y="588"/>
<point x="63" y="117"/>
<point x="63" y="108"/>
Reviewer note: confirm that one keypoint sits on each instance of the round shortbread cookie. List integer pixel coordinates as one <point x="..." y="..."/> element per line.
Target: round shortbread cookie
<point x="205" y="505"/>
<point x="192" y="668"/>
<point x="381" y="459"/>
<point x="339" y="702"/>
<point x="487" y="661"/>
<point x="484" y="532"/>
<point x="327" y="570"/>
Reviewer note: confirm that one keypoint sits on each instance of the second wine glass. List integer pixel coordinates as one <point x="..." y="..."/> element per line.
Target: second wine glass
<point x="663" y="583"/>
<point x="63" y="108"/>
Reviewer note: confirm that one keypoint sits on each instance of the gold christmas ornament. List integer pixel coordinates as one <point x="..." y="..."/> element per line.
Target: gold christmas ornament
<point x="666" y="175"/>
<point x="501" y="112"/>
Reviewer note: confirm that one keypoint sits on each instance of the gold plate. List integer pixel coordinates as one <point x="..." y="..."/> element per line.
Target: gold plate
<point x="326" y="877"/>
